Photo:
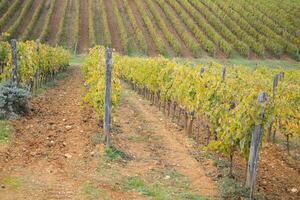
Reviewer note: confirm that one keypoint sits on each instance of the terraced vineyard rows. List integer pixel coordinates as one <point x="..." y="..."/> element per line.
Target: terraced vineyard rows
<point x="168" y="27"/>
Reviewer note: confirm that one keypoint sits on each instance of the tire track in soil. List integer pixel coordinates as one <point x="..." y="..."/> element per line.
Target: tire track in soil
<point x="54" y="22"/>
<point x="83" y="38"/>
<point x="27" y="18"/>
<point x="51" y="150"/>
<point x="113" y="27"/>
<point x="151" y="48"/>
<point x="164" y="148"/>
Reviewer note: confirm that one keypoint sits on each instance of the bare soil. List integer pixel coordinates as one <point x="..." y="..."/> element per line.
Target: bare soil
<point x="55" y="151"/>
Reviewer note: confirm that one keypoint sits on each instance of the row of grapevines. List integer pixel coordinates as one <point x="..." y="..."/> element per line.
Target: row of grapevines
<point x="94" y="76"/>
<point x="209" y="30"/>
<point x="138" y="34"/>
<point x="241" y="47"/>
<point x="13" y="28"/>
<point x="230" y="105"/>
<point x="12" y="9"/>
<point x="158" y="41"/>
<point x="3" y="6"/>
<point x="257" y="47"/>
<point x="32" y="58"/>
<point x="121" y="27"/>
<point x="61" y="23"/>
<point x="267" y="42"/>
<point x="290" y="47"/>
<point x="35" y="17"/>
<point x="75" y="24"/>
<point x="184" y="35"/>
<point x="106" y="32"/>
<point x="281" y="17"/>
<point x="161" y="24"/>
<point x="200" y="36"/>
<point x="250" y="15"/>
<point x="92" y="36"/>
<point x="45" y="30"/>
<point x="285" y="33"/>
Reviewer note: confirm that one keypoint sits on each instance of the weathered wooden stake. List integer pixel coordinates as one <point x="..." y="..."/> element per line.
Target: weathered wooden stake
<point x="14" y="73"/>
<point x="223" y="73"/>
<point x="254" y="148"/>
<point x="107" y="100"/>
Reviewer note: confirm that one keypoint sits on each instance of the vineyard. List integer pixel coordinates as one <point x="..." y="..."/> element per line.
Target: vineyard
<point x="149" y="99"/>
<point x="182" y="28"/>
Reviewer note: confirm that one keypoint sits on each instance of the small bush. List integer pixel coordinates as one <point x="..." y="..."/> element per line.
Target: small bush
<point x="13" y="101"/>
<point x="232" y="189"/>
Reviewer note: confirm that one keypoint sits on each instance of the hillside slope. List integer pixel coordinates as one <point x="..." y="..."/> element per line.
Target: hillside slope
<point x="252" y="29"/>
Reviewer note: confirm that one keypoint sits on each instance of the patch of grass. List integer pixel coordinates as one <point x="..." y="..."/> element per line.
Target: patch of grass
<point x="11" y="183"/>
<point x="98" y="139"/>
<point x="158" y="190"/>
<point x="77" y="59"/>
<point x="92" y="192"/>
<point x="113" y="154"/>
<point x="232" y="189"/>
<point x="5" y="131"/>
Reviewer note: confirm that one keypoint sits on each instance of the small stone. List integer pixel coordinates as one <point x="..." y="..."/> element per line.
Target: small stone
<point x="68" y="127"/>
<point x="3" y="186"/>
<point x="294" y="190"/>
<point x="67" y="155"/>
<point x="64" y="120"/>
<point x="92" y="153"/>
<point x="64" y="144"/>
<point x="167" y="177"/>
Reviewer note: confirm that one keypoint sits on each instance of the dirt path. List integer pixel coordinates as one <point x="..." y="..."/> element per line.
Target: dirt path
<point x="57" y="152"/>
<point x="83" y="38"/>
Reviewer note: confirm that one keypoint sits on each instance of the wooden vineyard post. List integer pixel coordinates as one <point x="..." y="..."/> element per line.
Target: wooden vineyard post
<point x="36" y="85"/>
<point x="14" y="75"/>
<point x="223" y="74"/>
<point x="254" y="148"/>
<point x="107" y="100"/>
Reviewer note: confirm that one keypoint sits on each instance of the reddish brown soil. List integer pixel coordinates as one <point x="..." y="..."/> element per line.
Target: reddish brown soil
<point x="151" y="48"/>
<point x="113" y="27"/>
<point x="54" y="22"/>
<point x="27" y="18"/>
<point x="185" y="52"/>
<point x="83" y="38"/>
<point x="54" y="152"/>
